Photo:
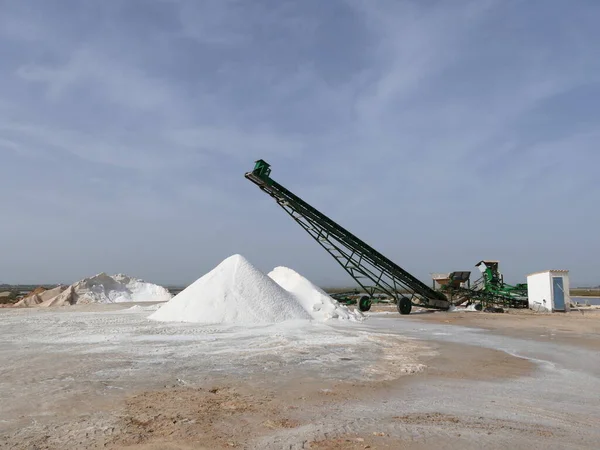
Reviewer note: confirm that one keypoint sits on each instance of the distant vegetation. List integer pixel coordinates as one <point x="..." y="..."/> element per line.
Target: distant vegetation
<point x="8" y="296"/>
<point x="12" y="293"/>
<point x="174" y="290"/>
<point x="339" y="290"/>
<point x="16" y="291"/>
<point x="585" y="292"/>
<point x="24" y="287"/>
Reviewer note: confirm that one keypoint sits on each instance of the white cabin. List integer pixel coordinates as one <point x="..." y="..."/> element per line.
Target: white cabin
<point x="549" y="291"/>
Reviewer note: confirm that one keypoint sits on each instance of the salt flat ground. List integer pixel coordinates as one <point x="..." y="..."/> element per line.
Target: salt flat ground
<point x="104" y="376"/>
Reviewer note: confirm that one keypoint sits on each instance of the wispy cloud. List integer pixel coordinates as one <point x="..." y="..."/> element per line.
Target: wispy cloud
<point x="436" y="131"/>
<point x="103" y="78"/>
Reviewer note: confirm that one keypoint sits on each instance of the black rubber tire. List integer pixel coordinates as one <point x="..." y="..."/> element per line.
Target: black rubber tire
<point x="478" y="307"/>
<point x="364" y="303"/>
<point x="404" y="306"/>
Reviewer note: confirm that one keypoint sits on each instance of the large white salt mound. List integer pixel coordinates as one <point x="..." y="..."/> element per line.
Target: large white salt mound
<point x="103" y="288"/>
<point x="119" y="288"/>
<point x="315" y="300"/>
<point x="233" y="292"/>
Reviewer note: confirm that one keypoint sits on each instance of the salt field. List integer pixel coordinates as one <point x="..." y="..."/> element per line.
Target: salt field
<point x="86" y="358"/>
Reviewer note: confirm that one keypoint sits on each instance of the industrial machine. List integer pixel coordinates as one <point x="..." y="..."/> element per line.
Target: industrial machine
<point x="492" y="283"/>
<point x="363" y="301"/>
<point x="374" y="273"/>
<point x="489" y="291"/>
<point x="382" y="280"/>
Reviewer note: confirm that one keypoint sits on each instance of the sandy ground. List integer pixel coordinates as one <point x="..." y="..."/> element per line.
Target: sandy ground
<point x="101" y="376"/>
<point x="581" y="327"/>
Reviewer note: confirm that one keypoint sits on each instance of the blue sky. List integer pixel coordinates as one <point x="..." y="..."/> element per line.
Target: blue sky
<point x="440" y="132"/>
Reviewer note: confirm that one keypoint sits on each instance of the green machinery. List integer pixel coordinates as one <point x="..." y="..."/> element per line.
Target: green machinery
<point x="488" y="291"/>
<point x="357" y="297"/>
<point x="492" y="283"/>
<point x="380" y="278"/>
<point x="373" y="272"/>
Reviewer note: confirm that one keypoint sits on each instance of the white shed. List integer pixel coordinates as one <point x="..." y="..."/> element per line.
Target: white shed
<point x="549" y="290"/>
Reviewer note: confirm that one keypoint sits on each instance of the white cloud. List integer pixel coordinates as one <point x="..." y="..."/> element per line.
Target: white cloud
<point x="7" y="143"/>
<point x="89" y="69"/>
<point x="417" y="104"/>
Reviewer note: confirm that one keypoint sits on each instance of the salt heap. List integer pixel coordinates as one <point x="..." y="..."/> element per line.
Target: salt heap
<point x="314" y="300"/>
<point x="40" y="295"/>
<point x="101" y="288"/>
<point x="233" y="292"/>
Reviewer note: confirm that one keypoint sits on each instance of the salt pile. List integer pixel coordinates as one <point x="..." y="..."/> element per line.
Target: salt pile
<point x="101" y="288"/>
<point x="40" y="295"/>
<point x="233" y="292"/>
<point x="136" y="290"/>
<point x="314" y="300"/>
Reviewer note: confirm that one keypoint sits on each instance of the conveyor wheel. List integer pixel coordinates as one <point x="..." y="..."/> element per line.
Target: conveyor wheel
<point x="404" y="306"/>
<point x="364" y="304"/>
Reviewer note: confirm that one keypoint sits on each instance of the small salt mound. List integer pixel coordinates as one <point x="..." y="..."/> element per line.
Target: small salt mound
<point x="138" y="308"/>
<point x="233" y="292"/>
<point x="142" y="291"/>
<point x="315" y="300"/>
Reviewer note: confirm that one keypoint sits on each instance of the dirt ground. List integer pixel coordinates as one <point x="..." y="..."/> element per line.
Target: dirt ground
<point x="232" y="415"/>
<point x="475" y="381"/>
<point x="581" y="327"/>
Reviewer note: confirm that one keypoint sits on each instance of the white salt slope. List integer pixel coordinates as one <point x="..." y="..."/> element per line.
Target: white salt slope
<point x="37" y="299"/>
<point x="103" y="288"/>
<point x="142" y="291"/>
<point x="138" y="308"/>
<point x="315" y="300"/>
<point x="233" y="292"/>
